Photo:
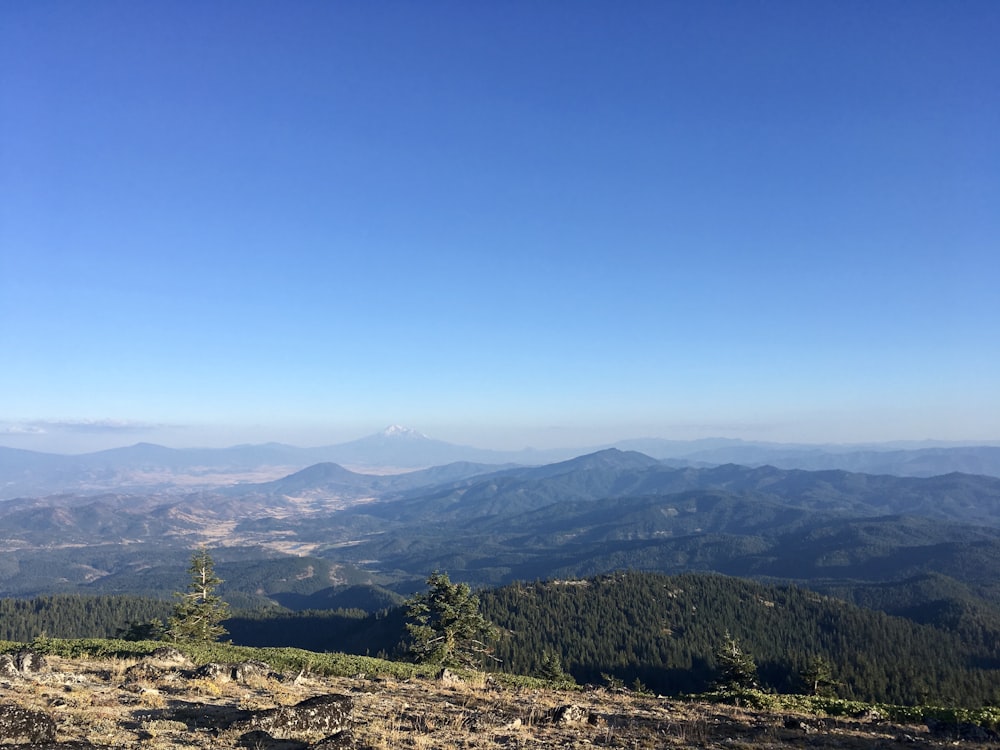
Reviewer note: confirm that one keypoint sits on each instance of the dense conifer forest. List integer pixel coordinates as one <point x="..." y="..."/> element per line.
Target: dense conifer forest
<point x="75" y="616"/>
<point x="665" y="631"/>
<point x="644" y="629"/>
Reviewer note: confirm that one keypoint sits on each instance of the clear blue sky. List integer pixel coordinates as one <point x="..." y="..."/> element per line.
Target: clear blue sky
<point x="500" y="223"/>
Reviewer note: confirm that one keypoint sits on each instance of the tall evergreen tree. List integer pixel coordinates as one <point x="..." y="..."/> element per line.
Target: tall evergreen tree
<point x="817" y="677"/>
<point x="199" y="611"/>
<point x="446" y="625"/>
<point x="736" y="667"/>
<point x="150" y="630"/>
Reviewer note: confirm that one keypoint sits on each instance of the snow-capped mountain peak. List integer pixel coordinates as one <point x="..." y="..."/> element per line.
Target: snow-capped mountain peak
<point x="398" y="431"/>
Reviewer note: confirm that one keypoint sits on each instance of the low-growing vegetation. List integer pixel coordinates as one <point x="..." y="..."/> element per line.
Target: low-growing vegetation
<point x="816" y="705"/>
<point x="138" y="694"/>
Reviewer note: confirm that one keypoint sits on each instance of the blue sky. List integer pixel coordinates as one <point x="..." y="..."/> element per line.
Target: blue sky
<point x="500" y="223"/>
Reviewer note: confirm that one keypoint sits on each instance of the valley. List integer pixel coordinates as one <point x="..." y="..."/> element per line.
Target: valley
<point x="488" y="525"/>
<point x="298" y="552"/>
<point x="499" y="375"/>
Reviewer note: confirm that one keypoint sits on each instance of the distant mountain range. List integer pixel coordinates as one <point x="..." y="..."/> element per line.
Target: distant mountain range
<point x="153" y="467"/>
<point x="618" y="510"/>
<point x="605" y="511"/>
<point x="328" y="535"/>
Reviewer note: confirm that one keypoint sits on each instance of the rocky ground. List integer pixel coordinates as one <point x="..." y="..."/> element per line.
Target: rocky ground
<point x="166" y="702"/>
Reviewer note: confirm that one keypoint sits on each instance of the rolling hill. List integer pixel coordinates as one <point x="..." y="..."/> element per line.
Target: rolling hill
<point x="148" y="467"/>
<point x="593" y="514"/>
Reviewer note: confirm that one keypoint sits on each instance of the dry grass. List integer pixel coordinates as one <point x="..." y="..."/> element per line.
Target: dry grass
<point x="94" y="701"/>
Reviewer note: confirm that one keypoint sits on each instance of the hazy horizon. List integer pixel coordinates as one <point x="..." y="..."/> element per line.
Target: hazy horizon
<point x="77" y="438"/>
<point x="502" y="224"/>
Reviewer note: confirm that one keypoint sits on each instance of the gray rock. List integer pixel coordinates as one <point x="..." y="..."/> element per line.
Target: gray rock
<point x="21" y="663"/>
<point x="247" y="671"/>
<point x="324" y="713"/>
<point x="448" y="677"/>
<point x="170" y="655"/>
<point x="30" y="662"/>
<point x="570" y="714"/>
<point x="244" y="671"/>
<point x="214" y="671"/>
<point x="23" y="725"/>
<point x="7" y="666"/>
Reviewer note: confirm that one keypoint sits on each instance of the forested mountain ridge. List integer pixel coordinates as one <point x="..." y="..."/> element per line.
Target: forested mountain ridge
<point x="613" y="511"/>
<point x="150" y="467"/>
<point x="603" y="512"/>
<point x="331" y="478"/>
<point x="615" y="474"/>
<point x="664" y="631"/>
<point x="75" y="616"/>
<point x="908" y="462"/>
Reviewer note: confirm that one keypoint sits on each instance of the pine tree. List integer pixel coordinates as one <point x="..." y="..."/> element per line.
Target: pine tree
<point x="150" y="630"/>
<point x="199" y="612"/>
<point x="736" y="667"/>
<point x="817" y="677"/>
<point x="447" y="627"/>
<point x="551" y="667"/>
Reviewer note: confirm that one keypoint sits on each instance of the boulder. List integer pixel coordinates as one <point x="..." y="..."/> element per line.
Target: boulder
<point x="7" y="666"/>
<point x="30" y="662"/>
<point x="215" y="671"/>
<point x="248" y="671"/>
<point x="570" y="714"/>
<point x="169" y="655"/>
<point x="244" y="671"/>
<point x="21" y="663"/>
<point x="324" y="713"/>
<point x="448" y="677"/>
<point x="22" y="725"/>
